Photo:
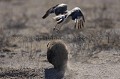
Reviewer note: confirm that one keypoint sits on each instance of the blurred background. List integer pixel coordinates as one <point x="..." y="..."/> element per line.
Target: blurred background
<point x="24" y="34"/>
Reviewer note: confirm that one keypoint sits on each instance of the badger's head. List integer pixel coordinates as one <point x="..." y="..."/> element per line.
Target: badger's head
<point x="51" y="44"/>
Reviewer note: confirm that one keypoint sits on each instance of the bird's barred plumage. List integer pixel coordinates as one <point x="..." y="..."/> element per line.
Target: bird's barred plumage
<point x="64" y="16"/>
<point x="74" y="14"/>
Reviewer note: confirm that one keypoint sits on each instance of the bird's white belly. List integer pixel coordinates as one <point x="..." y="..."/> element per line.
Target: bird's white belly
<point x="68" y="19"/>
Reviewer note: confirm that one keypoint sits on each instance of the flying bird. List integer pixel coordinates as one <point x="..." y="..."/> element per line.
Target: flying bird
<point x="75" y="14"/>
<point x="57" y="9"/>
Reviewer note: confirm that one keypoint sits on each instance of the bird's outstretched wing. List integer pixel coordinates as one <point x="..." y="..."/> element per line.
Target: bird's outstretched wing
<point x="51" y="10"/>
<point x="78" y="16"/>
<point x="61" y="9"/>
<point x="81" y="20"/>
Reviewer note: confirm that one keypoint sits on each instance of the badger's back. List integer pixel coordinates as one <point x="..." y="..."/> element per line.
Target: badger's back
<point x="57" y="54"/>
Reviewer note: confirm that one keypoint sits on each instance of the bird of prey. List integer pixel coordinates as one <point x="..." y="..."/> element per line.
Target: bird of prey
<point x="57" y="9"/>
<point x="74" y="14"/>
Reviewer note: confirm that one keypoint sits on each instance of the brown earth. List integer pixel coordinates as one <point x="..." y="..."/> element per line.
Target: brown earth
<point x="94" y="50"/>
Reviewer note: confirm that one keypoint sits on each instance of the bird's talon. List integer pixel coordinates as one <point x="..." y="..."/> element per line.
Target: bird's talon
<point x="54" y="29"/>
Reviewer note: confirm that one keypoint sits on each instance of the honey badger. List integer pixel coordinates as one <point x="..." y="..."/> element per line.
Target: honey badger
<point x="57" y="54"/>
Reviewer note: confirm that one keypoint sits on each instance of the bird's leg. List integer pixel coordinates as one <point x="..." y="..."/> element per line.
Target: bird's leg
<point x="55" y="27"/>
<point x="59" y="27"/>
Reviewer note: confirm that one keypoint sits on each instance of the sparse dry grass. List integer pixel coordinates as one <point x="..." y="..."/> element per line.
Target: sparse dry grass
<point x="24" y="34"/>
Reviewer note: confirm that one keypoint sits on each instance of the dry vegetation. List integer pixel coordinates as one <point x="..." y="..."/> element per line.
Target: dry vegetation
<point x="24" y="36"/>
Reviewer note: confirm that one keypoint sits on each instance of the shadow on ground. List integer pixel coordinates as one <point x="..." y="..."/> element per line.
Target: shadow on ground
<point x="53" y="74"/>
<point x="30" y="73"/>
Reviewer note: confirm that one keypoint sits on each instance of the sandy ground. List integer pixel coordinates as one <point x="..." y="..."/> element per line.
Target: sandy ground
<point x="23" y="56"/>
<point x="103" y="65"/>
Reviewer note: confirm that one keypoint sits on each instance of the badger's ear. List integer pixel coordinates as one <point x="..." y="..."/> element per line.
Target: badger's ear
<point x="48" y="45"/>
